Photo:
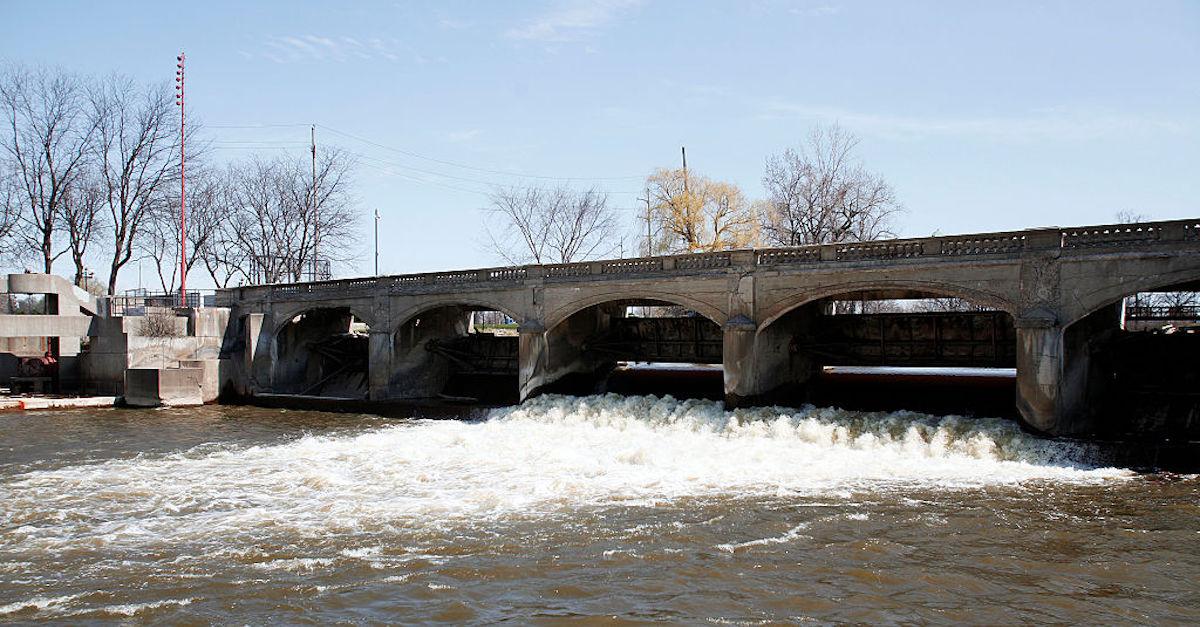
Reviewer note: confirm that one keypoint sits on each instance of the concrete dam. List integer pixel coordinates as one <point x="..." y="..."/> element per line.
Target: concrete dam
<point x="1047" y="302"/>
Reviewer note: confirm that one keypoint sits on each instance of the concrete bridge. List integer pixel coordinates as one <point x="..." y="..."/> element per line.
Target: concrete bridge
<point x="1060" y="291"/>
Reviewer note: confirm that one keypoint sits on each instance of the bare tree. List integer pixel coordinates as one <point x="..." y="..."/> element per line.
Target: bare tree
<point x="45" y="144"/>
<point x="280" y="220"/>
<point x="214" y="238"/>
<point x="321" y="207"/>
<point x="819" y="194"/>
<point x="947" y="303"/>
<point x="158" y="241"/>
<point x="1128" y="216"/>
<point x="137" y="151"/>
<point x="10" y="209"/>
<point x="531" y="224"/>
<point x="207" y="213"/>
<point x="82" y="218"/>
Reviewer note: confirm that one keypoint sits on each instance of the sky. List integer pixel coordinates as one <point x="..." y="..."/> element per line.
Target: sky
<point x="982" y="116"/>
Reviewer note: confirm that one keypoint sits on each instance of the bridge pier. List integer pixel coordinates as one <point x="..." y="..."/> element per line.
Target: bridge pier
<point x="380" y="350"/>
<point x="560" y="357"/>
<point x="764" y="365"/>
<point x="533" y="362"/>
<point x="1062" y="374"/>
<point x="1039" y="371"/>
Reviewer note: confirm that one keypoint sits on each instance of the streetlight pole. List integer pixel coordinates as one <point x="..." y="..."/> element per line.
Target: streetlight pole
<point x="376" y="242"/>
<point x="182" y="183"/>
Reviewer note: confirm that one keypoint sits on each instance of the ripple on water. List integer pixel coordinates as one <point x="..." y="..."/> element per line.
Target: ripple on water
<point x="584" y="499"/>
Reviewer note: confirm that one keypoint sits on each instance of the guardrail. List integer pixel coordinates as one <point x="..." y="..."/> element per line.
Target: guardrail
<point x="1011" y="243"/>
<point x="1162" y="312"/>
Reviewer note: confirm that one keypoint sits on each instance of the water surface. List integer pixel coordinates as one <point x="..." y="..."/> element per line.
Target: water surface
<point x="638" y="508"/>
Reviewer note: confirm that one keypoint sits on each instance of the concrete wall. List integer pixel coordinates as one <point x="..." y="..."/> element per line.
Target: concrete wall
<point x="61" y="331"/>
<point x="121" y="342"/>
<point x="151" y="387"/>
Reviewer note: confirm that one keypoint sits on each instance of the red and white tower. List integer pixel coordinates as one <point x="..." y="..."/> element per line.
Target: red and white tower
<point x="182" y="182"/>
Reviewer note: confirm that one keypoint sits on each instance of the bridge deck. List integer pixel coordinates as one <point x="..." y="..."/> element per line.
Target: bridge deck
<point x="1008" y="244"/>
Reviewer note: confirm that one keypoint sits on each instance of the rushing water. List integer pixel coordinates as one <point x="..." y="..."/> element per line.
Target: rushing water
<point x="636" y="508"/>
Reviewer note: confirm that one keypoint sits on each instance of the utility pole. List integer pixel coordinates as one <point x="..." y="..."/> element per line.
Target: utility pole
<point x="649" y="238"/>
<point x="376" y="242"/>
<point x="179" y="62"/>
<point x="316" y="209"/>
<point x="683" y="149"/>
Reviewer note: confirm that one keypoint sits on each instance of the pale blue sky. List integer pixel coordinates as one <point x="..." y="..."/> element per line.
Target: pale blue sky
<point x="983" y="116"/>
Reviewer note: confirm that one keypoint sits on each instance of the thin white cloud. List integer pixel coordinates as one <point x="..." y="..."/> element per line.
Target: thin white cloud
<point x="464" y="136"/>
<point x="299" y="48"/>
<point x="1046" y="124"/>
<point x="816" y="11"/>
<point x="571" y="20"/>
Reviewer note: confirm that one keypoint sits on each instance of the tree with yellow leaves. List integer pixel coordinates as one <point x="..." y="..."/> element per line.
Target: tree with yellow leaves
<point x="697" y="214"/>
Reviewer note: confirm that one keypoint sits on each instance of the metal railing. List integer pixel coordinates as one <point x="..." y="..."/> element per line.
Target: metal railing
<point x="135" y="302"/>
<point x="1084" y="239"/>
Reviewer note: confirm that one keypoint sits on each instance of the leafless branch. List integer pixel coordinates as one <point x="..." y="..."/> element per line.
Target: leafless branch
<point x="46" y="142"/>
<point x="818" y="194"/>
<point x="529" y="224"/>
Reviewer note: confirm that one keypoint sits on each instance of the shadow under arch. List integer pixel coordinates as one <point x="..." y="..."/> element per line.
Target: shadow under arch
<point x="287" y="315"/>
<point x="1131" y="378"/>
<point x="916" y="289"/>
<point x="600" y="343"/>
<point x="317" y="351"/>
<point x="437" y="353"/>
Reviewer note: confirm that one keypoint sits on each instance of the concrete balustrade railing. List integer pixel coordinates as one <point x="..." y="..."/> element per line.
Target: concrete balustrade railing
<point x="1012" y="243"/>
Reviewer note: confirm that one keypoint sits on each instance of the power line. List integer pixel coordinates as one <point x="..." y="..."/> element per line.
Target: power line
<point x="417" y="155"/>
<point x="254" y="125"/>
<point x="443" y="175"/>
<point x="477" y="169"/>
<point x="431" y="159"/>
<point x="387" y="166"/>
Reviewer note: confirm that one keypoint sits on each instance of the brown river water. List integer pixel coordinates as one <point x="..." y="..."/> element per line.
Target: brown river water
<point x="608" y="508"/>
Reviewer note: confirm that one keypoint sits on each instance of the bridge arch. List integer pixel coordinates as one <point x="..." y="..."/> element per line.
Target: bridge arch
<point x="599" y="343"/>
<point x="933" y="289"/>
<point x="1121" y="375"/>
<point x="316" y="350"/>
<point x="1110" y="294"/>
<point x="475" y="304"/>
<point x="285" y="315"/>
<point x="438" y="350"/>
<point x="563" y="312"/>
<point x="803" y="351"/>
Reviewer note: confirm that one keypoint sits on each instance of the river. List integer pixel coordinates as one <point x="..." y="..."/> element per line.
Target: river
<point x="629" y="508"/>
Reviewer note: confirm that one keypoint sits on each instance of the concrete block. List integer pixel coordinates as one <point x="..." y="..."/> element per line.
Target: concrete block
<point x="211" y="379"/>
<point x="174" y="387"/>
<point x="207" y="322"/>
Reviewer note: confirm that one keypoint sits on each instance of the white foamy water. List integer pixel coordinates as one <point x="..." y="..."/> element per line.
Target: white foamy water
<point x="544" y="457"/>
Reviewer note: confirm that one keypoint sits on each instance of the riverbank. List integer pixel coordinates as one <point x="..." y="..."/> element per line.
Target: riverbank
<point x="33" y="403"/>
